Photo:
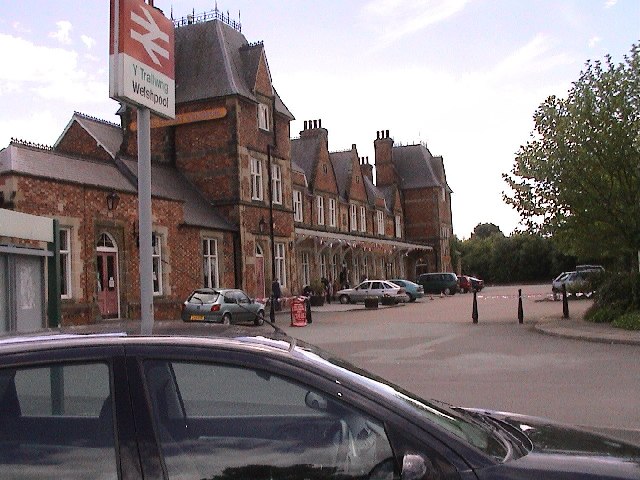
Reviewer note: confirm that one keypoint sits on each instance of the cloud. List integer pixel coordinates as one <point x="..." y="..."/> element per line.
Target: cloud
<point x="62" y="34"/>
<point x="52" y="73"/>
<point x="610" y="3"/>
<point x="593" y="41"/>
<point x="399" y="18"/>
<point x="88" y="41"/>
<point x="532" y="58"/>
<point x="20" y="28"/>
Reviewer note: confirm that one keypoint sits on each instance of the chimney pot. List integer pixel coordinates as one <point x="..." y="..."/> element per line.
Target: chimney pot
<point x="378" y="135"/>
<point x="319" y="123"/>
<point x="305" y="125"/>
<point x="315" y="124"/>
<point x="353" y="146"/>
<point x="387" y="133"/>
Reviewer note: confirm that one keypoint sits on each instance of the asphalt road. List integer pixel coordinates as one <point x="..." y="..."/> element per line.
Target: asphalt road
<point x="432" y="348"/>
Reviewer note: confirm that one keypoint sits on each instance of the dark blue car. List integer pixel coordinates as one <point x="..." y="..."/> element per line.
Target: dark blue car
<point x="223" y="402"/>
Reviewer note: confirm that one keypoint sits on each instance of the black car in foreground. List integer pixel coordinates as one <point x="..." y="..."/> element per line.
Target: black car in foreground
<point x="204" y="401"/>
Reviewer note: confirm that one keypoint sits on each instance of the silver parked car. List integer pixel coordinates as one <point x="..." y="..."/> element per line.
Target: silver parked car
<point x="222" y="305"/>
<point x="373" y="288"/>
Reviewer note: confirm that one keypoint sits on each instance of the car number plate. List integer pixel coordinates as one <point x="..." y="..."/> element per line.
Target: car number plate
<point x="197" y="317"/>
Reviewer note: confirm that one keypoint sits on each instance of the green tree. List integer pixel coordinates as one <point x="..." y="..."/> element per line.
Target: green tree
<point x="578" y="177"/>
<point x="485" y="230"/>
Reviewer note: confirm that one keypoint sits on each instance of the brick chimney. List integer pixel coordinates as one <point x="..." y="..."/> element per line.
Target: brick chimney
<point x="385" y="171"/>
<point x="366" y="168"/>
<point x="313" y="128"/>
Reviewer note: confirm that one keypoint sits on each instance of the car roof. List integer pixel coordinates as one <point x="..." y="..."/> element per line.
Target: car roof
<point x="129" y="331"/>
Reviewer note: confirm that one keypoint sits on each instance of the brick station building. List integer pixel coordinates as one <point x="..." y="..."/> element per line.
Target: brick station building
<point x="224" y="172"/>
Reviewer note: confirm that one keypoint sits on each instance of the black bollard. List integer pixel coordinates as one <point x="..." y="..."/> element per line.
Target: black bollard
<point x="474" y="313"/>
<point x="520" y="312"/>
<point x="308" y="310"/>
<point x="565" y="303"/>
<point x="272" y="312"/>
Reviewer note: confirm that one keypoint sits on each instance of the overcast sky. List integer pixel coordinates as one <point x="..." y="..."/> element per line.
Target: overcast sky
<point x="462" y="76"/>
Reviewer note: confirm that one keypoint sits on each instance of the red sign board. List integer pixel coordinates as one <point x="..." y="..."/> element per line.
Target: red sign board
<point x="141" y="57"/>
<point x="298" y="312"/>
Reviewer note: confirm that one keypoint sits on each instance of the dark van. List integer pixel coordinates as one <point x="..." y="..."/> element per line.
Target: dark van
<point x="446" y="283"/>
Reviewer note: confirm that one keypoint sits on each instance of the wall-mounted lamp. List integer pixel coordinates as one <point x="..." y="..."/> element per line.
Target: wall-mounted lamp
<point x="112" y="200"/>
<point x="262" y="225"/>
<point x="7" y="200"/>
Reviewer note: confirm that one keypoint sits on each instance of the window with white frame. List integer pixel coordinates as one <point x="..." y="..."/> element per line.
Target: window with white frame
<point x="323" y="266"/>
<point x="356" y="271"/>
<point x="65" y="263"/>
<point x="332" y="212"/>
<point x="363" y="219"/>
<point x="276" y="184"/>
<point x="365" y="266"/>
<point x="380" y="222"/>
<point x="281" y="272"/>
<point x="156" y="255"/>
<point x="256" y="179"/>
<point x="297" y="206"/>
<point x="305" y="268"/>
<point x="263" y="116"/>
<point x="398" y="227"/>
<point x="334" y="267"/>
<point x="320" y="209"/>
<point x="354" y="216"/>
<point x="210" y="262"/>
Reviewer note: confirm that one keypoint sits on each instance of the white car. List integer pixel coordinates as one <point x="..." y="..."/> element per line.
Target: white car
<point x="373" y="288"/>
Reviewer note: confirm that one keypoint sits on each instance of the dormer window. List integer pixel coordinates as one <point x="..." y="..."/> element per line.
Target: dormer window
<point x="263" y="117"/>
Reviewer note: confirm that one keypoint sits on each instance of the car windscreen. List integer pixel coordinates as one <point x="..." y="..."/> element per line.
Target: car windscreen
<point x="479" y="434"/>
<point x="204" y="297"/>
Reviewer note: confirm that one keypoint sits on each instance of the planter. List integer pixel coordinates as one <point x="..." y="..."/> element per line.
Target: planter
<point x="388" y="301"/>
<point x="317" y="300"/>
<point x="371" y="302"/>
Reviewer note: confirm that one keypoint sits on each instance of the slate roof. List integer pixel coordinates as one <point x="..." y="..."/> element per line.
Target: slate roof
<point x="373" y="192"/>
<point x="167" y="182"/>
<point x="215" y="60"/>
<point x="417" y="168"/>
<point x="343" y="168"/>
<point x="108" y="135"/>
<point x="25" y="160"/>
<point x="304" y="153"/>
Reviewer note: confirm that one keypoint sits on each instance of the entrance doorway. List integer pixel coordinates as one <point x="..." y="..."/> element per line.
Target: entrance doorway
<point x="107" y="277"/>
<point x="260" y="283"/>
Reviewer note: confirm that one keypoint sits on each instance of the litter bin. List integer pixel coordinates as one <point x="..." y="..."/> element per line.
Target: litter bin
<point x="299" y="312"/>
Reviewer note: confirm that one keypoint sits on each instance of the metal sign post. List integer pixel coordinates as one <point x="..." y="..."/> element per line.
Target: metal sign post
<point x="144" y="219"/>
<point x="142" y="73"/>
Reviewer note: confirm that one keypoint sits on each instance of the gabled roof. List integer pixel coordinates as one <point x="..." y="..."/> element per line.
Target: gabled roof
<point x="374" y="193"/>
<point x="37" y="162"/>
<point x="417" y="168"/>
<point x="343" y="168"/>
<point x="304" y="153"/>
<point x="167" y="182"/>
<point x="215" y="60"/>
<point x="106" y="134"/>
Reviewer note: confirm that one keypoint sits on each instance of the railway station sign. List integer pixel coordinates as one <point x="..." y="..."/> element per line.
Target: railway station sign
<point x="141" y="57"/>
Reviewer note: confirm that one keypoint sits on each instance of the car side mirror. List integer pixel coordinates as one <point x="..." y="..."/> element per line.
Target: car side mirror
<point x="416" y="467"/>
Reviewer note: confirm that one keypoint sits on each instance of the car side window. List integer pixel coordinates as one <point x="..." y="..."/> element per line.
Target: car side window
<point x="376" y="286"/>
<point x="242" y="297"/>
<point x="219" y="421"/>
<point x="57" y="421"/>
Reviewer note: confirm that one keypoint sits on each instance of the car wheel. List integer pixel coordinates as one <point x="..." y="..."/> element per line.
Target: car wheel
<point x="226" y="319"/>
<point x="344" y="299"/>
<point x="412" y="298"/>
<point x="259" y="320"/>
<point x="447" y="291"/>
